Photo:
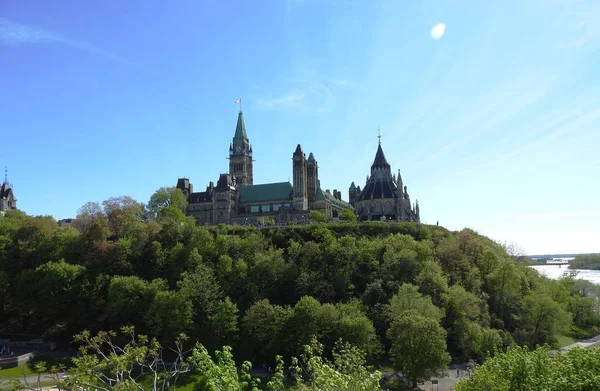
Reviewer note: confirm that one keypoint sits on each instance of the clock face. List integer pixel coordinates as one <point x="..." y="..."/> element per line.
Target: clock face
<point x="238" y="149"/>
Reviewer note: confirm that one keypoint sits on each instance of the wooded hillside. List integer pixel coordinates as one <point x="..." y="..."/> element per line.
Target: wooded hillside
<point x="268" y="291"/>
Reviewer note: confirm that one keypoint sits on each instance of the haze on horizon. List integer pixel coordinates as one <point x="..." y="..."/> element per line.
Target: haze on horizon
<point x="491" y="111"/>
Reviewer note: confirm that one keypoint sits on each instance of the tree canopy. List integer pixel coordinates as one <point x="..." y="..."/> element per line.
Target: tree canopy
<point x="270" y="291"/>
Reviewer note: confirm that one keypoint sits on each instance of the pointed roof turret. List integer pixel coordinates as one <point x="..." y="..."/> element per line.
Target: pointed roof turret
<point x="240" y="129"/>
<point x="380" y="161"/>
<point x="298" y="150"/>
<point x="311" y="158"/>
<point x="352" y="186"/>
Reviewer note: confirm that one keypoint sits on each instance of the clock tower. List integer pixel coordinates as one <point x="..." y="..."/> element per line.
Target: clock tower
<point x="240" y="155"/>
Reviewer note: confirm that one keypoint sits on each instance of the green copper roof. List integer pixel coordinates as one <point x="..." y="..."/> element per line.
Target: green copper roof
<point x="240" y="129"/>
<point x="279" y="191"/>
<point x="323" y="195"/>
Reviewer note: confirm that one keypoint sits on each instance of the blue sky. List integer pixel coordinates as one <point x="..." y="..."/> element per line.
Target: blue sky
<point x="495" y="125"/>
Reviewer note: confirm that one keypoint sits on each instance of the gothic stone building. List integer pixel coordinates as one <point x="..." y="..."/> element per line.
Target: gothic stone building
<point x="237" y="200"/>
<point x="384" y="197"/>
<point x="7" y="197"/>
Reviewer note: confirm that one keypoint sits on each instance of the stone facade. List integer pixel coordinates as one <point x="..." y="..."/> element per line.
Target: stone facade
<point x="7" y="196"/>
<point x="384" y="197"/>
<point x="237" y="200"/>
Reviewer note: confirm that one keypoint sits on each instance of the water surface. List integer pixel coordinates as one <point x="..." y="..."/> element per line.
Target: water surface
<point x="557" y="271"/>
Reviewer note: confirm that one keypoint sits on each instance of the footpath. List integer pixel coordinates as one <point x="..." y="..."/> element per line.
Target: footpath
<point x="584" y="343"/>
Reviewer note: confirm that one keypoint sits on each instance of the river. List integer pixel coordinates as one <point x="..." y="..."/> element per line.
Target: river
<point x="557" y="271"/>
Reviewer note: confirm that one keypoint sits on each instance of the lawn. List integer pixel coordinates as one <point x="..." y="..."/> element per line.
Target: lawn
<point x="17" y="372"/>
<point x="564" y="340"/>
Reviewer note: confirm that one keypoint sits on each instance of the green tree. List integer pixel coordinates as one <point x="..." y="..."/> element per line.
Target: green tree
<point x="122" y="213"/>
<point x="202" y="288"/>
<point x="418" y="346"/>
<point x="317" y="217"/>
<point x="224" y="322"/>
<point x="55" y="292"/>
<point x="303" y="324"/>
<point x="169" y="315"/>
<point x="129" y="300"/>
<point x="408" y="298"/>
<point x="133" y="366"/>
<point x="348" y="215"/>
<point x="432" y="281"/>
<point x="166" y="197"/>
<point x="546" y="318"/>
<point x="346" y="372"/>
<point x="91" y="222"/>
<point x="263" y="326"/>
<point x="353" y="326"/>
<point x="520" y="369"/>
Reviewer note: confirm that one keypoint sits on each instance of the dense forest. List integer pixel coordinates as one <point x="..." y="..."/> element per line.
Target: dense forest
<point x="269" y="291"/>
<point x="588" y="261"/>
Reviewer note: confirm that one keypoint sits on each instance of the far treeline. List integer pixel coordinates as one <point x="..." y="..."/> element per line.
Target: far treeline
<point x="588" y="261"/>
<point x="413" y="295"/>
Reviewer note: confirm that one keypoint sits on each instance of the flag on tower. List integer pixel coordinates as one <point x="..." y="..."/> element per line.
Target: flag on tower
<point x="238" y="100"/>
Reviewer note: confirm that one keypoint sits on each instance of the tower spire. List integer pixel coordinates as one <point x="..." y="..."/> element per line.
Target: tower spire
<point x="240" y="129"/>
<point x="5" y="174"/>
<point x="379" y="134"/>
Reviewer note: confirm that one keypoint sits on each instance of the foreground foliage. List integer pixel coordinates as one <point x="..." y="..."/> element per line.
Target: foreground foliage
<point x="139" y="363"/>
<point x="520" y="369"/>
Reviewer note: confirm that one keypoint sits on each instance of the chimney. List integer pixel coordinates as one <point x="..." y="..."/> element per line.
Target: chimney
<point x="335" y="195"/>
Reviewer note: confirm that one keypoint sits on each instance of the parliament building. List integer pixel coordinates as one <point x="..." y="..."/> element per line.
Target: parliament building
<point x="235" y="199"/>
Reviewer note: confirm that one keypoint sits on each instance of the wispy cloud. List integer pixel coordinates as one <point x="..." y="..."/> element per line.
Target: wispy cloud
<point x="576" y="213"/>
<point x="487" y="112"/>
<point x="290" y="99"/>
<point x="307" y="89"/>
<point x="13" y="33"/>
<point x="578" y="27"/>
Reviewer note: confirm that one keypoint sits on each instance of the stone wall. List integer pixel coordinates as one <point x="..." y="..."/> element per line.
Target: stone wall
<point x="15" y="361"/>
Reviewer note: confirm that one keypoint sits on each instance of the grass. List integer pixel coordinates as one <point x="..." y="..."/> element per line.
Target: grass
<point x="584" y="333"/>
<point x="17" y="372"/>
<point x="564" y="340"/>
<point x="576" y="334"/>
